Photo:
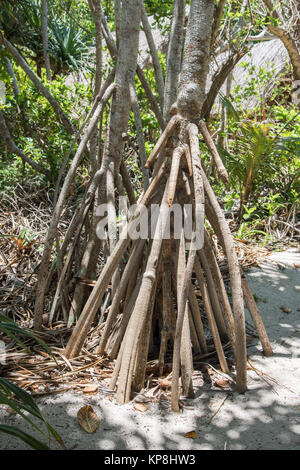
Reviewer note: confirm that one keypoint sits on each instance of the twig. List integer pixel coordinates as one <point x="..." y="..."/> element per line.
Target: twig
<point x="222" y="374"/>
<point x="289" y="225"/>
<point x="218" y="409"/>
<point x="262" y="374"/>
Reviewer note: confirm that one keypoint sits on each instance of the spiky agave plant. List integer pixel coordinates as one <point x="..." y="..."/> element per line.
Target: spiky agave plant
<point x="69" y="45"/>
<point x="20" y="22"/>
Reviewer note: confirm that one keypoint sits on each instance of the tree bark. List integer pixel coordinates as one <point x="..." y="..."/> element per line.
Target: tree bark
<point x="155" y="59"/>
<point x="174" y="57"/>
<point x="195" y="60"/>
<point x="40" y="293"/>
<point x="45" y="38"/>
<point x="291" y="44"/>
<point x="217" y="21"/>
<point x="125" y="73"/>
<point x="62" y="117"/>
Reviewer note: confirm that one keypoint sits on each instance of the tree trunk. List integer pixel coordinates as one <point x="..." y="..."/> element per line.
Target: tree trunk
<point x="156" y="290"/>
<point x="174" y="57"/>
<point x="195" y="60"/>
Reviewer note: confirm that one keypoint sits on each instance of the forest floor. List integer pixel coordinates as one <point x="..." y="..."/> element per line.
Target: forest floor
<point x="267" y="416"/>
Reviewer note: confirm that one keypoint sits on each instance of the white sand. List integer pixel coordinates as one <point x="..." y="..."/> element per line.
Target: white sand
<point x="262" y="418"/>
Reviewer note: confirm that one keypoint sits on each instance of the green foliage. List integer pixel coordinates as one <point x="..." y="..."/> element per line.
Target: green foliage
<point x="20" y="401"/>
<point x="10" y="328"/>
<point x="69" y="43"/>
<point x="160" y="11"/>
<point x="247" y="232"/>
<point x="34" y="126"/>
<point x="263" y="156"/>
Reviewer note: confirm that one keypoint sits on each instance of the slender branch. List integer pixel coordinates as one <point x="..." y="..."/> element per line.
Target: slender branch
<point x="97" y="14"/>
<point x="45" y="38"/>
<point x="12" y="74"/>
<point x="16" y="150"/>
<point x="217" y="21"/>
<point x="214" y="152"/>
<point x="198" y="182"/>
<point x="182" y="300"/>
<point x="236" y="287"/>
<point x="161" y="143"/>
<point x="59" y="207"/>
<point x="155" y="59"/>
<point x="127" y="183"/>
<point x="285" y="36"/>
<point x="140" y="135"/>
<point x="176" y="159"/>
<point x="219" y="80"/>
<point x="109" y="80"/>
<point x="210" y="316"/>
<point x="62" y="117"/>
<point x="174" y="57"/>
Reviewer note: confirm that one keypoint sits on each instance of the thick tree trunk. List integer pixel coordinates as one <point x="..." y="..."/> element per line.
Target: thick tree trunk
<point x="156" y="291"/>
<point x="97" y="14"/>
<point x="125" y="73"/>
<point x="195" y="59"/>
<point x="174" y="57"/>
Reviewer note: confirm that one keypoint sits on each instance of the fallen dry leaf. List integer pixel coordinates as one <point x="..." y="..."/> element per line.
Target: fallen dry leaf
<point x="164" y="383"/>
<point x="90" y="388"/>
<point x="222" y="383"/>
<point x="141" y="399"/>
<point x="191" y="435"/>
<point x="140" y="407"/>
<point x="285" y="309"/>
<point x="88" y="419"/>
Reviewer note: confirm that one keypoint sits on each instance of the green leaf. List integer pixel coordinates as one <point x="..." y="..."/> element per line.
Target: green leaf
<point x="10" y="327"/>
<point x="31" y="441"/>
<point x="21" y="394"/>
<point x="9" y="333"/>
<point x="26" y="403"/>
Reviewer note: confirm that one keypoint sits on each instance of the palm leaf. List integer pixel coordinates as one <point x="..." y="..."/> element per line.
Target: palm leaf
<point x="8" y="326"/>
<point x="27" y="438"/>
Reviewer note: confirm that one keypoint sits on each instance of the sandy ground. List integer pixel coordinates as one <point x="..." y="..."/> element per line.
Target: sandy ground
<point x="266" y="417"/>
